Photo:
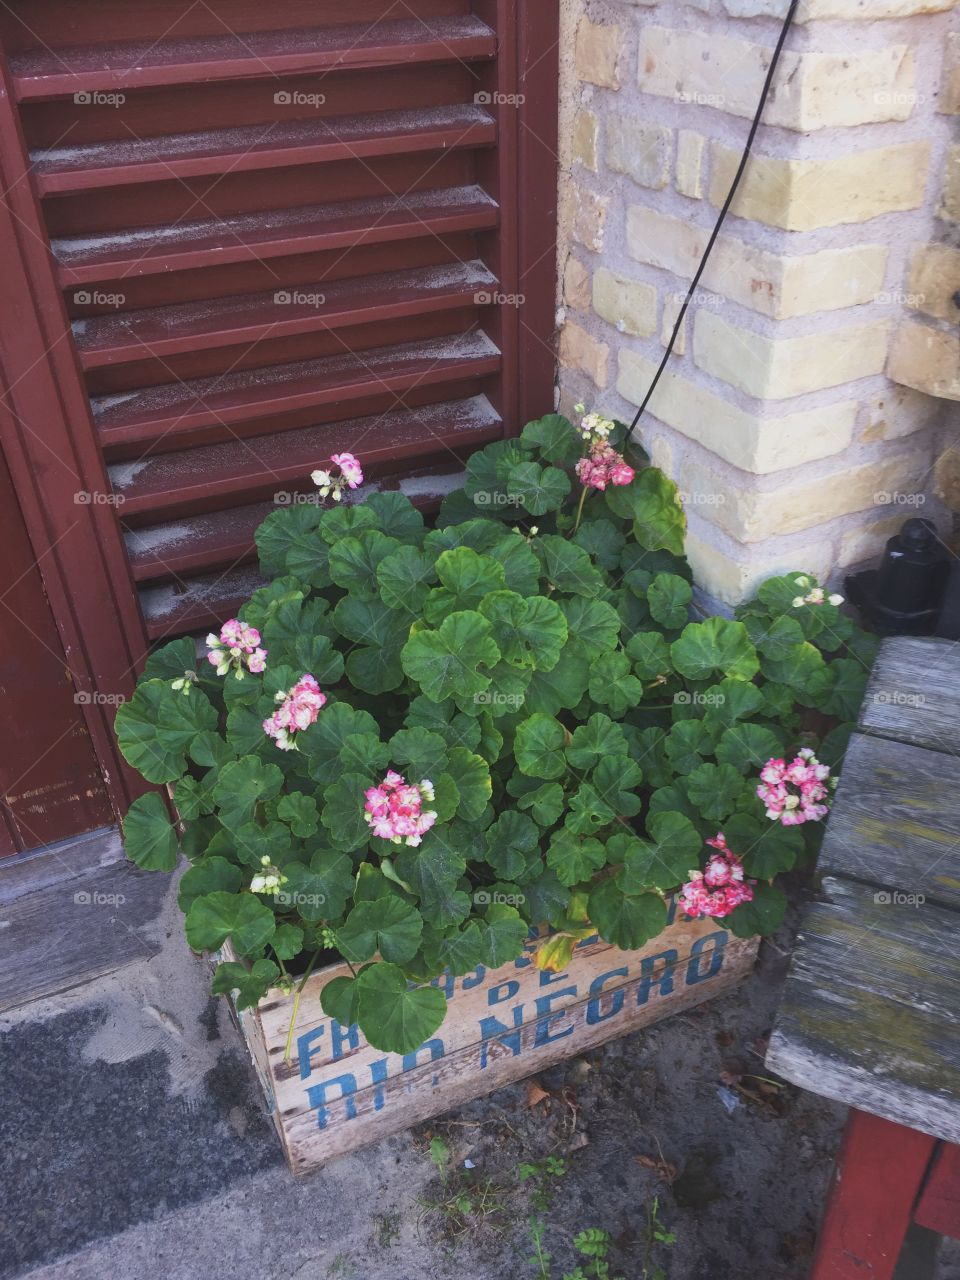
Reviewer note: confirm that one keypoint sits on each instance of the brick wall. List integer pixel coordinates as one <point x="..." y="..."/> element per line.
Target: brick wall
<point x="805" y="406"/>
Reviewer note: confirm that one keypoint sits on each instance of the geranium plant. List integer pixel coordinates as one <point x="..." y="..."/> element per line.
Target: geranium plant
<point x="417" y="743"/>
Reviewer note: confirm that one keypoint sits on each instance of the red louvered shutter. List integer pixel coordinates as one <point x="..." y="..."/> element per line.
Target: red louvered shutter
<point x="278" y="235"/>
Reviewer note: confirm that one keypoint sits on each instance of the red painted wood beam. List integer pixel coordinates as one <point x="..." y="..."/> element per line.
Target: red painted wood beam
<point x="879" y="1171"/>
<point x="939" y="1205"/>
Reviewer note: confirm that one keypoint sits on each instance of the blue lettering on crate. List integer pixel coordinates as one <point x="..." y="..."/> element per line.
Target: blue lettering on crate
<point x="658" y="976"/>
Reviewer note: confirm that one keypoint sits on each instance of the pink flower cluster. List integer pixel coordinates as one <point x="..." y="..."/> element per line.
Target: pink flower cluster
<point x="298" y="709"/>
<point x="603" y="466"/>
<point x="794" y="793"/>
<point x="350" y="477"/>
<point x="395" y="809"/>
<point x="237" y="646"/>
<point x="720" y="888"/>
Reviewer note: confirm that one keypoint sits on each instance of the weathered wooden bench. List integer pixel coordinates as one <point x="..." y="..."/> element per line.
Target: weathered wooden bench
<point x="870" y="1013"/>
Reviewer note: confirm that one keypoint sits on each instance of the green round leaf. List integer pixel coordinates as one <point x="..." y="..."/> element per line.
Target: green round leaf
<point x="405" y="579"/>
<point x="504" y="934"/>
<point x="207" y="876"/>
<point x="668" y="597"/>
<point x="158" y="724"/>
<point x="715" y="647"/>
<point x="447" y="661"/>
<point x="529" y="633"/>
<point x="393" y="1017"/>
<point x="763" y="915"/>
<point x="510" y="842"/>
<point x="243" y="784"/>
<point x="318" y="890"/>
<point x="574" y="858"/>
<point x="628" y="921"/>
<point x="241" y="917"/>
<point x="387" y="925"/>
<point x="149" y="837"/>
<point x="471" y="773"/>
<point x="539" y="747"/>
<point x="599" y="737"/>
<point x="537" y="489"/>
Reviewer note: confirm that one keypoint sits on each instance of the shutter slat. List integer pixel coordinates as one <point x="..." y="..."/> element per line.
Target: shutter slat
<point x="125" y="336"/>
<point x="190" y="246"/>
<point x="95" y="166"/>
<point x="175" y="410"/>
<point x="288" y="236"/>
<point x="45" y="74"/>
<point x="176" y="482"/>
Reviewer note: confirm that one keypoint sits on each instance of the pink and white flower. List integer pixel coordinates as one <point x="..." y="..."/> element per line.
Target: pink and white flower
<point x="602" y="465"/>
<point x="815" y="594"/>
<point x="350" y="476"/>
<point x="236" y="646"/>
<point x="298" y="710"/>
<point x="395" y="809"/>
<point x="720" y="887"/>
<point x="797" y="792"/>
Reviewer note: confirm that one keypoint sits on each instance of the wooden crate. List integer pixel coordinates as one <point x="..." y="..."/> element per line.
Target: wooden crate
<point x="338" y="1093"/>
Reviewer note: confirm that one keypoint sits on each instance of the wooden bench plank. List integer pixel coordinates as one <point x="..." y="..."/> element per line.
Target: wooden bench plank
<point x="896" y="821"/>
<point x="869" y="1014"/>
<point x="914" y="693"/>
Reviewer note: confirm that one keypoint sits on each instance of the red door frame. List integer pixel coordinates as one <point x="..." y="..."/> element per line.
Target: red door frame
<point x="47" y="432"/>
<point x="48" y="439"/>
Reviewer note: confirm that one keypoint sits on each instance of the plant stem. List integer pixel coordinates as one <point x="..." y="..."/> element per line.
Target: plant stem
<point x="583" y="498"/>
<point x="296" y="1004"/>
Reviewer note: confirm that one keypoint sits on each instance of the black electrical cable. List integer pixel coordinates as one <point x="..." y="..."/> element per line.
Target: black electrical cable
<point x="723" y="212"/>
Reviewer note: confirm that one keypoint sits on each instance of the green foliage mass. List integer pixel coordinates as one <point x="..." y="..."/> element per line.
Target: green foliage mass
<point x="543" y="667"/>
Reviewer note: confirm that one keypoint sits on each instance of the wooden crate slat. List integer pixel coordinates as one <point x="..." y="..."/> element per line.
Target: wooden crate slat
<point x="869" y="1013"/>
<point x="338" y="1092"/>
<point x="896" y="822"/>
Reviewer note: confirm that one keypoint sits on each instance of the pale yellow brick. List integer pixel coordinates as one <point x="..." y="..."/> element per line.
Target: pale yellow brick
<point x="814" y="90"/>
<point x="585" y="134"/>
<point x="590" y="219"/>
<point x="949" y="100"/>
<point x="640" y="149"/>
<point x="799" y="195"/>
<point x="933" y="279"/>
<point x="927" y="359"/>
<point x="598" y="53"/>
<point x="579" y="350"/>
<point x="663" y="241"/>
<point x="946" y="478"/>
<point x="951" y="187"/>
<point x="753" y="442"/>
<point x="690" y="145"/>
<point x="773" y="284"/>
<point x="897" y="412"/>
<point x="868" y="542"/>
<point x="809" y="10"/>
<point x="752" y="516"/>
<point x="733" y="579"/>
<point x="630" y="305"/>
<point x="576" y="284"/>
<point x="830" y="279"/>
<point x="777" y="368"/>
<point x="661" y="454"/>
<point x="671" y="309"/>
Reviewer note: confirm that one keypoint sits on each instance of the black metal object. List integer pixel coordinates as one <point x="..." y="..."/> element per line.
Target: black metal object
<point x="904" y="596"/>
